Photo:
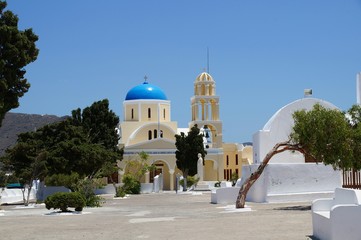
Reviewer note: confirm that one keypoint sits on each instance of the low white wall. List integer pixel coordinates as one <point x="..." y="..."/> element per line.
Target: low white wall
<point x="146" y="187"/>
<point x="15" y="195"/>
<point x="107" y="189"/>
<point x="224" y="195"/>
<point x="292" y="182"/>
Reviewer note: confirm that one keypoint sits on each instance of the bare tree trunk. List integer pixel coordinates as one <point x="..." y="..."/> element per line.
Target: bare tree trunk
<point x="278" y="148"/>
<point x="114" y="185"/>
<point x="24" y="199"/>
<point x="28" y="197"/>
<point x="185" y="175"/>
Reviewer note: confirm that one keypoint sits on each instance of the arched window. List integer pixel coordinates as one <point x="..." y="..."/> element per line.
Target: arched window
<point x="164" y="113"/>
<point x="203" y="89"/>
<point x="149" y="113"/>
<point x="227" y="160"/>
<point x="149" y="134"/>
<point x="155" y="133"/>
<point x="132" y="113"/>
<point x="236" y="159"/>
<point x="161" y="133"/>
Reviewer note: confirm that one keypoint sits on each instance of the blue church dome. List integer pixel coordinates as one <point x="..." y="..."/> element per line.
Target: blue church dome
<point x="146" y="91"/>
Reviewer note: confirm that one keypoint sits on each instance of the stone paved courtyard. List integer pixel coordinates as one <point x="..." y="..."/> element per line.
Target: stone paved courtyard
<point x="160" y="216"/>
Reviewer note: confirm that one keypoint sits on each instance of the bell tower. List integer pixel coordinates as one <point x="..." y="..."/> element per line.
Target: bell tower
<point x="205" y="110"/>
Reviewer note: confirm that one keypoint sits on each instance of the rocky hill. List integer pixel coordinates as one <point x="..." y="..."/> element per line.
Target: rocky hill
<point x="16" y="123"/>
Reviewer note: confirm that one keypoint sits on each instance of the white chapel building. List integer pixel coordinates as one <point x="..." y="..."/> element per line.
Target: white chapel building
<point x="289" y="176"/>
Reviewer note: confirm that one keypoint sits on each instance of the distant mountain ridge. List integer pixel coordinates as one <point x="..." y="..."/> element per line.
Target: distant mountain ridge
<point x="16" y="123"/>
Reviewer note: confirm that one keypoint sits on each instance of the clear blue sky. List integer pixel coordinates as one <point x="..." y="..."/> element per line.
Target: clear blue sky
<point x="263" y="54"/>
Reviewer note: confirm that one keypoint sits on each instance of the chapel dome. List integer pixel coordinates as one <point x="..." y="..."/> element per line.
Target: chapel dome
<point x="204" y="76"/>
<point x="145" y="91"/>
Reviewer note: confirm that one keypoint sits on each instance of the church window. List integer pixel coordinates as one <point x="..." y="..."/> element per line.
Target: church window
<point x="164" y="114"/>
<point x="161" y="133"/>
<point x="155" y="133"/>
<point x="236" y="159"/>
<point x="149" y="134"/>
<point x="132" y="113"/>
<point x="149" y="113"/>
<point x="227" y="160"/>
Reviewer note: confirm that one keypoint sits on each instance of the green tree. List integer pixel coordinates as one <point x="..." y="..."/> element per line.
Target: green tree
<point x="17" y="50"/>
<point x="322" y="135"/>
<point x="67" y="180"/>
<point x="27" y="164"/>
<point x="353" y="116"/>
<point x="108" y="169"/>
<point x="99" y="123"/>
<point x="69" y="148"/>
<point x="139" y="166"/>
<point x="136" y="168"/>
<point x="188" y="147"/>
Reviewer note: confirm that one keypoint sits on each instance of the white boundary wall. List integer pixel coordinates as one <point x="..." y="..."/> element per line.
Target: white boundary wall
<point x="15" y="195"/>
<point x="292" y="182"/>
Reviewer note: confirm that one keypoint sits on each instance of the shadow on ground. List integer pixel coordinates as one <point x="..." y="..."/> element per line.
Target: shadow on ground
<point x="294" y="208"/>
<point x="312" y="238"/>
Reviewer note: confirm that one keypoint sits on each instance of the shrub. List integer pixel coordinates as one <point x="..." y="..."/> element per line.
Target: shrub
<point x="234" y="178"/>
<point x="191" y="180"/>
<point x="64" y="200"/>
<point x="131" y="185"/>
<point x="86" y="188"/>
<point x="120" y="192"/>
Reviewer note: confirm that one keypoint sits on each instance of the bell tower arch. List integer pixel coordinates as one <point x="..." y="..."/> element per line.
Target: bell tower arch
<point x="205" y="110"/>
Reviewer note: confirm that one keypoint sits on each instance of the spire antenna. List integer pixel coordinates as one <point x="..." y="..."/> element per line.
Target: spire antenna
<point x="207" y="60"/>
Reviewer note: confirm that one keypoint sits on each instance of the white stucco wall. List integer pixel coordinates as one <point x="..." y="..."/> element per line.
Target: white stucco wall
<point x="278" y="129"/>
<point x="15" y="195"/>
<point x="292" y="182"/>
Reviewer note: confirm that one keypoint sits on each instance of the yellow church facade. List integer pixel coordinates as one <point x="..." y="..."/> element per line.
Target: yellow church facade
<point x="147" y="127"/>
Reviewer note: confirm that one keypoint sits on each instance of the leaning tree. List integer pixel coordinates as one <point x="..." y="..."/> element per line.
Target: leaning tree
<point x="323" y="135"/>
<point x="17" y="49"/>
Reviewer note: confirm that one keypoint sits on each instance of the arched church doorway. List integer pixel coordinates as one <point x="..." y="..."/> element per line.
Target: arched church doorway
<point x="161" y="167"/>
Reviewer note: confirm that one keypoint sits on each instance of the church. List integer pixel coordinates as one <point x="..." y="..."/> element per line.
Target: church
<point x="147" y="127"/>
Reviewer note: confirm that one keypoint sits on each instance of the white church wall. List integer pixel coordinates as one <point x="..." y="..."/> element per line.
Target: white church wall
<point x="292" y="182"/>
<point x="278" y="129"/>
<point x="287" y="177"/>
<point x="261" y="142"/>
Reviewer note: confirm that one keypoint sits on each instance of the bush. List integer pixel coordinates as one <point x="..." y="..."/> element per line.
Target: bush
<point x="191" y="180"/>
<point x="131" y="185"/>
<point x="120" y="192"/>
<point x="234" y="178"/>
<point x="86" y="188"/>
<point x="64" y="200"/>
